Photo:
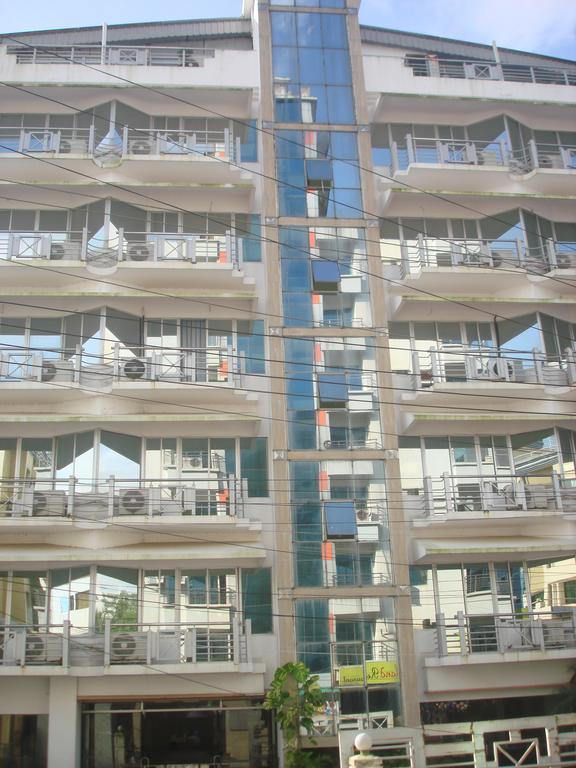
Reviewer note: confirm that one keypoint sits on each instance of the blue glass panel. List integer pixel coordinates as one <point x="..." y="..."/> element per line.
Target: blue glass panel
<point x="332" y="3"/>
<point x="296" y="237"/>
<point x="309" y="29"/>
<point x="340" y="519"/>
<point x="249" y="144"/>
<point x="309" y="574"/>
<point x="289" y="144"/>
<point x="252" y="346"/>
<point x="334" y="30"/>
<point x="344" y="145"/>
<point x="302" y="430"/>
<point x="346" y="174"/>
<point x="337" y="66"/>
<point x="311" y="65"/>
<point x="314" y="104"/>
<point x="325" y="275"/>
<point x="292" y="202"/>
<point x="332" y="390"/>
<point x="312" y="632"/>
<point x="297" y="310"/>
<point x="307" y="520"/>
<point x="257" y="599"/>
<point x="304" y="480"/>
<point x="288" y="108"/>
<point x="292" y="172"/>
<point x="283" y="28"/>
<point x="340" y="104"/>
<point x="298" y="352"/>
<point x="295" y="275"/>
<point x="285" y="64"/>
<point x="300" y="391"/>
<point x="348" y="204"/>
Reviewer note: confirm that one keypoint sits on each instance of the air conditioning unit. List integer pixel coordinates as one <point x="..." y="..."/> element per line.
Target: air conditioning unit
<point x="133" y="501"/>
<point x="51" y="370"/>
<point x="43" y="648"/>
<point x="129" y="648"/>
<point x="57" y="251"/>
<point x="141" y="147"/>
<point x="49" y="504"/>
<point x="73" y="147"/>
<point x="134" y="368"/>
<point x="550" y="161"/>
<point x="140" y="251"/>
<point x="565" y="260"/>
<point x="502" y="369"/>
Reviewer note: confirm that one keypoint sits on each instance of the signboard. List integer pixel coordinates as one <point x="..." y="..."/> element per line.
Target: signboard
<point x="377" y="673"/>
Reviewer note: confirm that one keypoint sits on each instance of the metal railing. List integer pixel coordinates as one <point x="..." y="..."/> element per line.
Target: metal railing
<point x="332" y="722"/>
<point x="452" y="363"/>
<point x="427" y="252"/>
<point x="200" y="144"/>
<point x="64" y="646"/>
<point x="495" y="153"/>
<point x="125" y="55"/>
<point x="433" y="66"/>
<point x="137" y="247"/>
<point x="207" y="492"/>
<point x="212" y="366"/>
<point x="500" y="633"/>
<point x="458" y="495"/>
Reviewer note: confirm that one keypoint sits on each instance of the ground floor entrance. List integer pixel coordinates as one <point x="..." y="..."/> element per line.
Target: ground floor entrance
<point x="180" y="734"/>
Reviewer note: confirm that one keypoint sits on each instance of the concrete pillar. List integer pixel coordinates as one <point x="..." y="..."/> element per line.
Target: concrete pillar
<point x="63" y="724"/>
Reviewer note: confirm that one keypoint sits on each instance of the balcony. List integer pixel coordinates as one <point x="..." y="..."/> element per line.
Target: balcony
<point x="153" y="156"/>
<point x="455" y="265"/>
<point x="207" y="374"/>
<point x="446" y="164"/>
<point x="155" y="56"/>
<point x="127" y="648"/>
<point x="206" y="499"/>
<point x="473" y="497"/>
<point x="230" y="70"/>
<point x="507" y="633"/>
<point x="432" y="66"/>
<point x="153" y="259"/>
<point x="454" y="369"/>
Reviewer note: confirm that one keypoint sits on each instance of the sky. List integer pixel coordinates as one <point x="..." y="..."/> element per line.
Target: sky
<point x="542" y="26"/>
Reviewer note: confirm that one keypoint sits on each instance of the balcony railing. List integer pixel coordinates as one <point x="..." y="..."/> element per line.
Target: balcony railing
<point x="212" y="366"/>
<point x="208" y="492"/>
<point x="459" y="495"/>
<point x="199" y="145"/>
<point x="493" y="153"/>
<point x="504" y="255"/>
<point x="63" y="646"/>
<point x="501" y="633"/>
<point x="433" y="66"/>
<point x="129" y="247"/>
<point x="332" y="722"/>
<point x="125" y="55"/>
<point x="454" y="364"/>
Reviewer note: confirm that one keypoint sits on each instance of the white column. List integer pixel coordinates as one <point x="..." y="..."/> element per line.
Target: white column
<point x="63" y="724"/>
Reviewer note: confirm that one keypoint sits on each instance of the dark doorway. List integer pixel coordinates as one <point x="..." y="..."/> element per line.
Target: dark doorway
<point x="182" y="737"/>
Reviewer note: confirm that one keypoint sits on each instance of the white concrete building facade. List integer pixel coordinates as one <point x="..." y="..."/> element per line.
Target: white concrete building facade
<point x="287" y="371"/>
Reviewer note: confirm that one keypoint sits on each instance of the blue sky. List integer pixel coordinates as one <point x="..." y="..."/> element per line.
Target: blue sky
<point x="543" y="26"/>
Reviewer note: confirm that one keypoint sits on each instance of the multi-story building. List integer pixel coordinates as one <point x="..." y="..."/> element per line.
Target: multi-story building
<point x="287" y="370"/>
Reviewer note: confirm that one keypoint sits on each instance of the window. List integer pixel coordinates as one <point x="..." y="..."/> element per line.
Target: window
<point x="570" y="592"/>
<point x="340" y="519"/>
<point x="332" y="390"/>
<point x="257" y="593"/>
<point x="325" y="276"/>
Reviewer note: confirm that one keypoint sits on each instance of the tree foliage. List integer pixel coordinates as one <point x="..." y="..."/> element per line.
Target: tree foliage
<point x="295" y="696"/>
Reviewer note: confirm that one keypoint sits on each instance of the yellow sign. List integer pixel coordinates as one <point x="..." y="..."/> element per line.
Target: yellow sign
<point x="377" y="673"/>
